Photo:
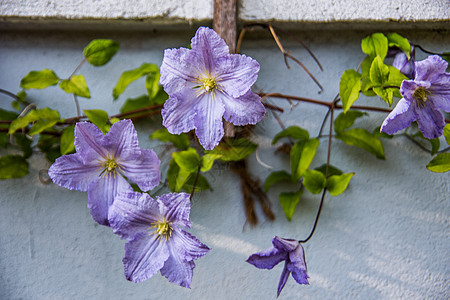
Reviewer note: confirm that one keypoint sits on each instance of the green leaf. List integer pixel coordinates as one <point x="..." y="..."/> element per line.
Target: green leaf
<point x="289" y="201"/>
<point x="188" y="160"/>
<point x="386" y="94"/>
<point x="128" y="77"/>
<point x="331" y="170"/>
<point x="181" y="141"/>
<point x="49" y="145"/>
<point x="6" y="115"/>
<point x="275" y="177"/>
<point x="346" y="120"/>
<point x="39" y="79"/>
<point x="362" y="138"/>
<point x="47" y="118"/>
<point x="67" y="140"/>
<point x="208" y="161"/>
<point x="446" y="56"/>
<point x="375" y="44"/>
<point x="234" y="149"/>
<point x="447" y="133"/>
<point x="366" y="84"/>
<point x="293" y="132"/>
<point x="337" y="184"/>
<point x="75" y="85"/>
<point x="152" y="84"/>
<point x="395" y="79"/>
<point x="13" y="166"/>
<point x="202" y="183"/>
<point x="302" y="154"/>
<point x="22" y="95"/>
<point x="440" y="163"/>
<point x="99" y="118"/>
<point x="42" y="125"/>
<point x="99" y="52"/>
<point x="349" y="88"/>
<point x="24" y="144"/>
<point x="377" y="133"/>
<point x="176" y="176"/>
<point x="314" y="181"/>
<point x="396" y="40"/>
<point x="379" y="72"/>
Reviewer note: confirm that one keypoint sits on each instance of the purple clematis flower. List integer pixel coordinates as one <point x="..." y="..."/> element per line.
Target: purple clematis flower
<point x="101" y="162"/>
<point x="156" y="240"/>
<point x="423" y="98"/>
<point x="405" y="66"/>
<point x="207" y="83"/>
<point x="291" y="251"/>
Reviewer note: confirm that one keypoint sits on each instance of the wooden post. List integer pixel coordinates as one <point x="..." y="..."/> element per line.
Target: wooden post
<point x="224" y="23"/>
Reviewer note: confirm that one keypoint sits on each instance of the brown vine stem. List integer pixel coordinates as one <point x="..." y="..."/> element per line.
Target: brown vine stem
<point x="287" y="54"/>
<point x="326" y="176"/>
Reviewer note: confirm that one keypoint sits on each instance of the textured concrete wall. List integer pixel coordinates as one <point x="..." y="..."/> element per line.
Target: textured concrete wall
<point x="387" y="237"/>
<point x="169" y="11"/>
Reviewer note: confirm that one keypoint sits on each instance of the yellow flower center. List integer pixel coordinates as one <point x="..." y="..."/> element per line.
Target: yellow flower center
<point x="209" y="84"/>
<point x="162" y="229"/>
<point x="421" y="95"/>
<point x="110" y="165"/>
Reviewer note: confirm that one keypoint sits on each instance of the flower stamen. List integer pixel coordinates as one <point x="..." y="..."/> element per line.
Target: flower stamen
<point x="421" y="95"/>
<point x="162" y="229"/>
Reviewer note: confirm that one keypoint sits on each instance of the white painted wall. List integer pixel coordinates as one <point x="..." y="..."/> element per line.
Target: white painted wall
<point x="387" y="237"/>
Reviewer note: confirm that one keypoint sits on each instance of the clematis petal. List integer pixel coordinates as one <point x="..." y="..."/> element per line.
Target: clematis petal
<point x="70" y="172"/>
<point x="236" y="73"/>
<point x="175" y="207"/>
<point x="297" y="266"/>
<point x="400" y="117"/>
<point x="247" y="109"/>
<point x="188" y="245"/>
<point x="431" y="121"/>
<point x="267" y="259"/>
<point x="440" y="92"/>
<point x="101" y="195"/>
<point x="283" y="278"/>
<point x="145" y="255"/>
<point x="176" y="269"/>
<point x="132" y="213"/>
<point x="429" y="68"/>
<point x="285" y="245"/>
<point x="143" y="170"/>
<point x="122" y="139"/>
<point x="180" y="69"/>
<point x="208" y="120"/>
<point x="90" y="142"/>
<point x="408" y="88"/>
<point x="179" y="112"/>
<point x="210" y="46"/>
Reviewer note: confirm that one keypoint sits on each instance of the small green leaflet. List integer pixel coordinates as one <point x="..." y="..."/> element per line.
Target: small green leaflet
<point x="362" y="138"/>
<point x="43" y="118"/>
<point x="152" y="84"/>
<point x="67" y="140"/>
<point x="181" y="141"/>
<point x="188" y="160"/>
<point x="349" y="88"/>
<point x="447" y="133"/>
<point x="302" y="154"/>
<point x="176" y="176"/>
<point x="289" y="201"/>
<point x="208" y="161"/>
<point x="440" y="163"/>
<point x="346" y="120"/>
<point x="366" y="84"/>
<point x="314" y="181"/>
<point x="337" y="184"/>
<point x="275" y="177"/>
<point x="201" y="185"/>
<point x="293" y="132"/>
<point x="99" y="118"/>
<point x="332" y="170"/>
<point x="129" y="76"/>
<point x="39" y="79"/>
<point x="99" y="52"/>
<point x="379" y="72"/>
<point x="13" y="166"/>
<point x="396" y="40"/>
<point x="75" y="85"/>
<point x="50" y="146"/>
<point x="24" y="144"/>
<point x="375" y="44"/>
<point x="234" y="149"/>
